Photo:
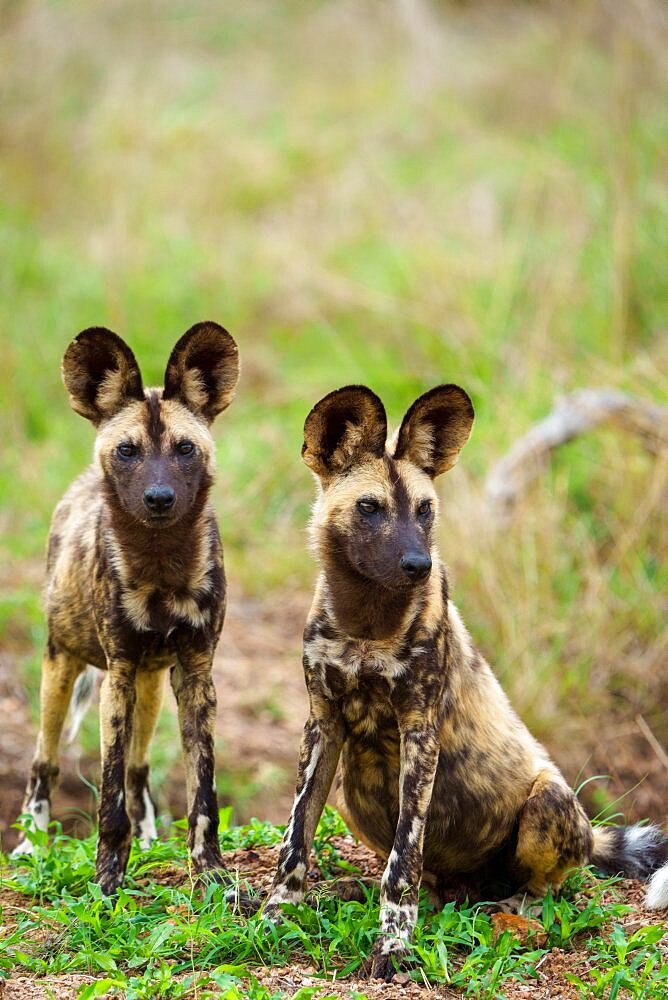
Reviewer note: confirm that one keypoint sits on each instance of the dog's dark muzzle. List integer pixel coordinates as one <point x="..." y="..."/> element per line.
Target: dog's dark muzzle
<point x="416" y="565"/>
<point x="159" y="500"/>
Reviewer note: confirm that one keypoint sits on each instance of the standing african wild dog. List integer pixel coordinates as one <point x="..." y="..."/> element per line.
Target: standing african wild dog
<point x="136" y="584"/>
<point x="436" y="768"/>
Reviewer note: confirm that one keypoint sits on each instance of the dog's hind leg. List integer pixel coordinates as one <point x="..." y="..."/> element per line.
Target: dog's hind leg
<point x="150" y="687"/>
<point x="59" y="672"/>
<point x="554" y="836"/>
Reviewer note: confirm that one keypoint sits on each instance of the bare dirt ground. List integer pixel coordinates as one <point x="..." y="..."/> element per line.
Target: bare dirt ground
<point x="257" y="865"/>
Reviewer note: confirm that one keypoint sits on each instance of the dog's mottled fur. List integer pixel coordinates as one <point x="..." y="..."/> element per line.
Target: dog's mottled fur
<point x="135" y="589"/>
<point x="437" y="770"/>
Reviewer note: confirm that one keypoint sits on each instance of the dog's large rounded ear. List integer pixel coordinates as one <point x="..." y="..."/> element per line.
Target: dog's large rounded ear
<point x="435" y="429"/>
<point x="101" y="374"/>
<point x="342" y="429"/>
<point x="203" y="370"/>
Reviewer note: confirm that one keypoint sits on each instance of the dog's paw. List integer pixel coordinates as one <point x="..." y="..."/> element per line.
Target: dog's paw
<point x="272" y="913"/>
<point x="110" y="865"/>
<point x="385" y="959"/>
<point x="208" y="859"/>
<point x="521" y="905"/>
<point x="109" y="880"/>
<point x="23" y="849"/>
<point x="243" y="902"/>
<point x="353" y="889"/>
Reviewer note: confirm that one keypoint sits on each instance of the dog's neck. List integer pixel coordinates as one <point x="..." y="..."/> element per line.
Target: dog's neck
<point x="363" y="609"/>
<point x="171" y="557"/>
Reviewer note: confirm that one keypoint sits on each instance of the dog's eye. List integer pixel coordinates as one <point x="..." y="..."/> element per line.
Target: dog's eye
<point x="185" y="447"/>
<point x="368" y="506"/>
<point x="127" y="450"/>
<point x="424" y="508"/>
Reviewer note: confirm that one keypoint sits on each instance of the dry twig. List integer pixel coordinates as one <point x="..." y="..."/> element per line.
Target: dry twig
<point x="581" y="411"/>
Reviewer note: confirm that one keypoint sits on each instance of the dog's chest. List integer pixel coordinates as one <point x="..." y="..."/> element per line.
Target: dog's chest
<point x="151" y="608"/>
<point x="356" y="672"/>
<point x="159" y="595"/>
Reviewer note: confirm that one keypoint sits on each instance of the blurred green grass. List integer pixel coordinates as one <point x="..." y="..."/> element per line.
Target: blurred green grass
<point x="397" y="195"/>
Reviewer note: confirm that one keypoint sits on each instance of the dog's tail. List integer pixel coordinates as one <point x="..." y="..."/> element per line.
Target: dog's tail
<point x="638" y="852"/>
<point x="82" y="696"/>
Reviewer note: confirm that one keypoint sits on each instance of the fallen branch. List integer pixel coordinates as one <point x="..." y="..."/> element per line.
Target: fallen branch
<point x="652" y="740"/>
<point x="573" y="415"/>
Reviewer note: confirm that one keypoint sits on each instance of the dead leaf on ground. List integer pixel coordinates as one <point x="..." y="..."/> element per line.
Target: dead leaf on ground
<point x="523" y="928"/>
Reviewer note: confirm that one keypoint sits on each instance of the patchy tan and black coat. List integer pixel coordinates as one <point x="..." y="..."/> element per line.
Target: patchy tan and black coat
<point x="136" y="584"/>
<point x="437" y="771"/>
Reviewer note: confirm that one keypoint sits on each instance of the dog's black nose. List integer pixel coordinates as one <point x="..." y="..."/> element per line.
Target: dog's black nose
<point x="159" y="499"/>
<point x="416" y="565"/>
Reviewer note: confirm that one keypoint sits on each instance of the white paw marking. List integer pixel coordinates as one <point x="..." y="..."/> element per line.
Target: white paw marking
<point x="283" y="895"/>
<point x="147" y="828"/>
<point x="23" y="848"/>
<point x="397" y="921"/>
<point x="201" y="826"/>
<point x="40" y="813"/>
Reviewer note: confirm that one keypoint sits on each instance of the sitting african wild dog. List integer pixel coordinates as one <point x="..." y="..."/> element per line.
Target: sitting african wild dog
<point x="436" y="768"/>
<point x="136" y="584"/>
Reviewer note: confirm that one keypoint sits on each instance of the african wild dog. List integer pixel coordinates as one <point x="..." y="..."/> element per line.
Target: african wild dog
<point x="436" y="768"/>
<point x="136" y="584"/>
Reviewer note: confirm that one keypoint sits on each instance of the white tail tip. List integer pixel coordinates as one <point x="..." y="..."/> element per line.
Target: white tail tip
<point x="82" y="697"/>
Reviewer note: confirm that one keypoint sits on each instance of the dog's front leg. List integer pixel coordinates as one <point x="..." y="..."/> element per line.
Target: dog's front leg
<point x="318" y="756"/>
<point x="400" y="884"/>
<point x="195" y="693"/>
<point x="117" y="701"/>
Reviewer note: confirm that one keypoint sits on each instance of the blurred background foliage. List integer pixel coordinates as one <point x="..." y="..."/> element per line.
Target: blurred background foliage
<point x="395" y="193"/>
